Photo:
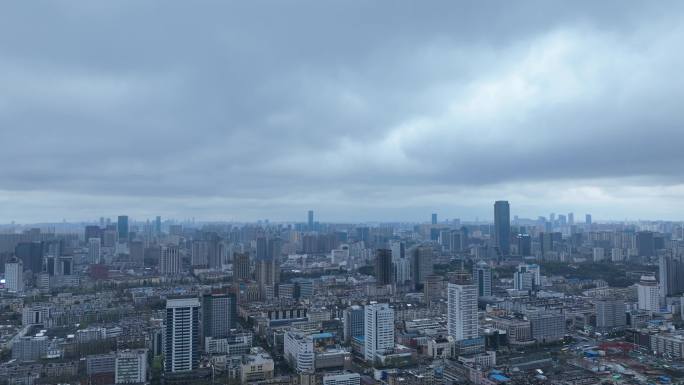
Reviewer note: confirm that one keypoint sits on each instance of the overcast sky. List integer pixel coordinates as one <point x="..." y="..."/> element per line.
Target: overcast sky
<point x="360" y="110"/>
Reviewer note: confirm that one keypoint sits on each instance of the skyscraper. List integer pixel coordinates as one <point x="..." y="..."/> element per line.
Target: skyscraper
<point x="647" y="294"/>
<point x="482" y="277"/>
<point x="31" y="254"/>
<point x="502" y="226"/>
<point x="379" y="328"/>
<point x="170" y="262"/>
<point x="14" y="275"/>
<point x="218" y="314"/>
<point x="671" y="275"/>
<point x="157" y="226"/>
<point x="422" y="264"/>
<point x="92" y="232"/>
<point x="94" y="250"/>
<point x="122" y="227"/>
<point x="182" y="342"/>
<point x="524" y="245"/>
<point x="311" y="220"/>
<point x="383" y="266"/>
<point x="241" y="269"/>
<point x="261" y="248"/>
<point x="402" y="264"/>
<point x="645" y="243"/>
<point x="462" y="318"/>
<point x="267" y="274"/>
<point x="571" y="218"/>
<point x="587" y="219"/>
<point x="353" y="322"/>
<point x="434" y="218"/>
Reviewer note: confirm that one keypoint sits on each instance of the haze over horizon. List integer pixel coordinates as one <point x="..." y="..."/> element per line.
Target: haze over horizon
<point x="362" y="111"/>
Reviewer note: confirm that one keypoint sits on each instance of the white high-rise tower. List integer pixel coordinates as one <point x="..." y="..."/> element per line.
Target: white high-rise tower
<point x="462" y="321"/>
<point x="379" y="326"/>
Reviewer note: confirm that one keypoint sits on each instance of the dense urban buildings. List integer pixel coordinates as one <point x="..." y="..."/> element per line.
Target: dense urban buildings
<point x="184" y="302"/>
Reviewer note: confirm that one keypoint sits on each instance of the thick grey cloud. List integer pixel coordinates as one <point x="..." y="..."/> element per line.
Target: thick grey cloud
<point x="362" y="110"/>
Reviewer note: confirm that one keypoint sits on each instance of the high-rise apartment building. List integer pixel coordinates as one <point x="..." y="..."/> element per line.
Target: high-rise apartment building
<point x="170" y="262"/>
<point x="14" y="275"/>
<point x="94" y="247"/>
<point x="310" y="222"/>
<point x="462" y="317"/>
<point x="241" y="270"/>
<point x="182" y="342"/>
<point x="648" y="294"/>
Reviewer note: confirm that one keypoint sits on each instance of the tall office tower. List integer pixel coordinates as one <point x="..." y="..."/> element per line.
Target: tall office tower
<point x="587" y="219"/>
<point x="353" y="322"/>
<point x="274" y="247"/>
<point x="422" y="264"/>
<point x="524" y="245"/>
<point x="122" y="227"/>
<point x="199" y="256"/>
<point x="241" y="269"/>
<point x="136" y="252"/>
<point x="311" y="220"/>
<point x="182" y="342"/>
<point x="267" y="273"/>
<point x="455" y="240"/>
<point x="379" y="328"/>
<point x="434" y="218"/>
<point x="398" y="250"/>
<point x="50" y="265"/>
<point x="65" y="265"/>
<point x="92" y="232"/>
<point x="645" y="243"/>
<point x="261" y="248"/>
<point x="648" y="294"/>
<point x="170" y="262"/>
<point x="109" y="239"/>
<point x="562" y="220"/>
<point x="482" y="277"/>
<point x="502" y="226"/>
<point x="528" y="277"/>
<point x="462" y="318"/>
<point x="383" y="266"/>
<point x="671" y="273"/>
<point x="610" y="314"/>
<point x="433" y="288"/>
<point x="14" y="275"/>
<point x="402" y="271"/>
<point x="94" y="254"/>
<point x="157" y="226"/>
<point x="218" y="314"/>
<point x="31" y="254"/>
<point x="130" y="366"/>
<point x="571" y="218"/>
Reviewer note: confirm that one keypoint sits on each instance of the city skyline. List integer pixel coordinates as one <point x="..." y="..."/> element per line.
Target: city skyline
<point x="383" y="113"/>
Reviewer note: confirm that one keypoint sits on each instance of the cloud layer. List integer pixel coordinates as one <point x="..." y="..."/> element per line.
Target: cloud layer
<point x="360" y="110"/>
